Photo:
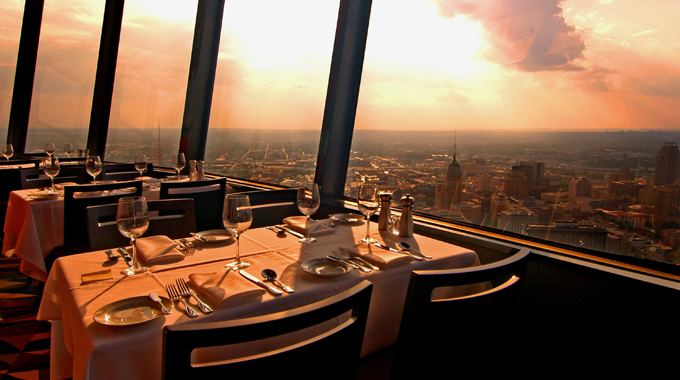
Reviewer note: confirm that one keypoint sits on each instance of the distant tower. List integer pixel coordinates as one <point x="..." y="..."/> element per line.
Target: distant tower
<point x="454" y="183"/>
<point x="667" y="164"/>
<point x="517" y="185"/>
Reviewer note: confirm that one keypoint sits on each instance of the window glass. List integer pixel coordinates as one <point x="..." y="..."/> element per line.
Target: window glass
<point x="270" y="89"/>
<point x="65" y="72"/>
<point x="552" y="119"/>
<point x="11" y="13"/>
<point x="151" y="80"/>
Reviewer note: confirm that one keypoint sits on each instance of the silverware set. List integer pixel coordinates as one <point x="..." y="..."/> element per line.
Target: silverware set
<point x="186" y="247"/>
<point x="177" y="294"/>
<point x="358" y="263"/>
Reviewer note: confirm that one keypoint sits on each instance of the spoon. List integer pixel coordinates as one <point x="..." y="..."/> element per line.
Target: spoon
<point x="406" y="247"/>
<point x="270" y="275"/>
<point x="155" y="297"/>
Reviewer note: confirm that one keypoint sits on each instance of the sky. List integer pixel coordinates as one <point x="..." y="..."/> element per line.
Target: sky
<point x="429" y="64"/>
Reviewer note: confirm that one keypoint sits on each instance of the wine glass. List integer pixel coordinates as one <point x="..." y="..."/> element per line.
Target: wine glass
<point x="51" y="167"/>
<point x="237" y="218"/>
<point x="7" y="151"/>
<point x="49" y="149"/>
<point x="308" y="204"/>
<point x="178" y="162"/>
<point x="68" y="149"/>
<point x="368" y="200"/>
<point x="140" y="164"/>
<point x="132" y="218"/>
<point x="93" y="165"/>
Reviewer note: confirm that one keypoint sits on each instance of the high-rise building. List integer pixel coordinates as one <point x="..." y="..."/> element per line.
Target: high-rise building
<point x="453" y="192"/>
<point x="517" y="184"/>
<point x="580" y="187"/>
<point x="667" y="164"/>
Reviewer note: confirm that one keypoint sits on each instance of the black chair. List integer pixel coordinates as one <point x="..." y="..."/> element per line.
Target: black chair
<point x="75" y="210"/>
<point x="174" y="218"/>
<point x="272" y="206"/>
<point x="123" y="172"/>
<point x="334" y="354"/>
<point x="208" y="203"/>
<point x="35" y="178"/>
<point x="477" y="331"/>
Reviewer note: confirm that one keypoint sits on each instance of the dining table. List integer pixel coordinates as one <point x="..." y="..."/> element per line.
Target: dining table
<point x="85" y="346"/>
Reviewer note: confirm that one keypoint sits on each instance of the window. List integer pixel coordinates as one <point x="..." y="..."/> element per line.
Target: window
<point x="10" y="32"/>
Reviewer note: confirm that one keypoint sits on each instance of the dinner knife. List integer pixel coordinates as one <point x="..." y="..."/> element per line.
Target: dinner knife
<point x="259" y="282"/>
<point x="290" y="231"/>
<point x="398" y="251"/>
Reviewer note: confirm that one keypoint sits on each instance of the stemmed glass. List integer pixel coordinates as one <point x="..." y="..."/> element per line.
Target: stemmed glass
<point x="7" y="151"/>
<point x="50" y="149"/>
<point x="68" y="149"/>
<point x="140" y="163"/>
<point x="368" y="200"/>
<point x="308" y="204"/>
<point x="178" y="162"/>
<point x="93" y="166"/>
<point x="237" y="218"/>
<point x="132" y="218"/>
<point x="51" y="167"/>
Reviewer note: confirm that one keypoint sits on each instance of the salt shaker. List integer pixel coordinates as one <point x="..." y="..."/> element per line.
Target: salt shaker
<point x="406" y="220"/>
<point x="200" y="176"/>
<point x="193" y="173"/>
<point x="384" y="217"/>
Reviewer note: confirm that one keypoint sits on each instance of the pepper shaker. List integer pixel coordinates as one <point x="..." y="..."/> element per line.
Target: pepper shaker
<point x="385" y="213"/>
<point x="406" y="220"/>
<point x="193" y="174"/>
<point x="200" y="176"/>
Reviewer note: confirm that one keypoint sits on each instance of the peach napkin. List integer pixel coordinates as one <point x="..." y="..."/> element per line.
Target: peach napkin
<point x="157" y="249"/>
<point x="225" y="288"/>
<point x="379" y="257"/>
<point x="299" y="224"/>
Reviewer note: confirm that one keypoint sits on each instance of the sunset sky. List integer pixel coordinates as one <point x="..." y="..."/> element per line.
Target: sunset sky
<point x="430" y="64"/>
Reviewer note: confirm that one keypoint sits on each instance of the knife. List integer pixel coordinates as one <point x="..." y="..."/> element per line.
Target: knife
<point x="199" y="237"/>
<point x="259" y="282"/>
<point x="291" y="231"/>
<point x="398" y="251"/>
<point x="125" y="255"/>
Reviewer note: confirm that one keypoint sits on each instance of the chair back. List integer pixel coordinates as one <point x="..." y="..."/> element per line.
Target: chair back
<point x="75" y="210"/>
<point x="340" y="345"/>
<point x="123" y="171"/>
<point x="208" y="196"/>
<point x="34" y="178"/>
<point x="465" y="329"/>
<point x="173" y="218"/>
<point x="272" y="206"/>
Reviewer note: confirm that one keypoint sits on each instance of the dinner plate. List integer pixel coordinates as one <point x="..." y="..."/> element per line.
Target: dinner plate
<point x="44" y="196"/>
<point x="131" y="311"/>
<point x="86" y="194"/>
<point x="347" y="217"/>
<point x="326" y="267"/>
<point x="214" y="236"/>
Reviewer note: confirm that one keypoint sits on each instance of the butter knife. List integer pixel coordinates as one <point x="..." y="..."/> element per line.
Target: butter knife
<point x="290" y="231"/>
<point x="398" y="251"/>
<point x="256" y="280"/>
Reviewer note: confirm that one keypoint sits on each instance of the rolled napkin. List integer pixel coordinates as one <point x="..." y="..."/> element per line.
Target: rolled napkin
<point x="379" y="257"/>
<point x="225" y="288"/>
<point x="157" y="249"/>
<point x="299" y="224"/>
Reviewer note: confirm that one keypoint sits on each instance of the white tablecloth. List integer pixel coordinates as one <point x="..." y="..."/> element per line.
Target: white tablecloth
<point x="85" y="349"/>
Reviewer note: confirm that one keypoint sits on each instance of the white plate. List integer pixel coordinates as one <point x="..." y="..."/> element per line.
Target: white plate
<point x="326" y="268"/>
<point x="347" y="218"/>
<point x="214" y="236"/>
<point x="44" y="196"/>
<point x="131" y="311"/>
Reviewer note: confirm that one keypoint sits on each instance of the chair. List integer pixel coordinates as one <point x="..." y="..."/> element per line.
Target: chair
<point x="208" y="196"/>
<point x="272" y="206"/>
<point x="75" y="211"/>
<point x="35" y="178"/>
<point x="467" y="331"/>
<point x="123" y="172"/>
<point x="334" y="354"/>
<point x="175" y="220"/>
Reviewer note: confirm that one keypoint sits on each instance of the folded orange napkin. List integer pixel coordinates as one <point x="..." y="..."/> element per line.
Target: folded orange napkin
<point x="379" y="257"/>
<point x="299" y="224"/>
<point x="225" y="288"/>
<point x="157" y="249"/>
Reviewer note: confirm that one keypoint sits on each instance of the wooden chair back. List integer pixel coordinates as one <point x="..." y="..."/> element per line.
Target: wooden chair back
<point x="208" y="196"/>
<point x="34" y="178"/>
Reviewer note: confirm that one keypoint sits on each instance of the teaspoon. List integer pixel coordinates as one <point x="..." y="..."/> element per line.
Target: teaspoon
<point x="406" y="247"/>
<point x="270" y="275"/>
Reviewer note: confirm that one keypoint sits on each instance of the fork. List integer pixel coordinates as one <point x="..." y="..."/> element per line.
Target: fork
<point x="186" y="292"/>
<point x="344" y="255"/>
<point x="174" y="296"/>
<point x="189" y="247"/>
<point x="336" y="255"/>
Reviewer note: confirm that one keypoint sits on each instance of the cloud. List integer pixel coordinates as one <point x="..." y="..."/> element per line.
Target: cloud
<point x="597" y="79"/>
<point x="530" y="35"/>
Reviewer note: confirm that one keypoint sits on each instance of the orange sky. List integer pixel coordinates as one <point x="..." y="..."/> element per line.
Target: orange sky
<point x="439" y="64"/>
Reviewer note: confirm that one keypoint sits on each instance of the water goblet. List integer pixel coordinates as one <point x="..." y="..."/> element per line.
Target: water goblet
<point x="178" y="162"/>
<point x="68" y="149"/>
<point x="50" y="149"/>
<point x="308" y="204"/>
<point x="51" y="167"/>
<point x="132" y="218"/>
<point x="368" y="200"/>
<point x="237" y="217"/>
<point x="93" y="166"/>
<point x="140" y="164"/>
<point x="7" y="151"/>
